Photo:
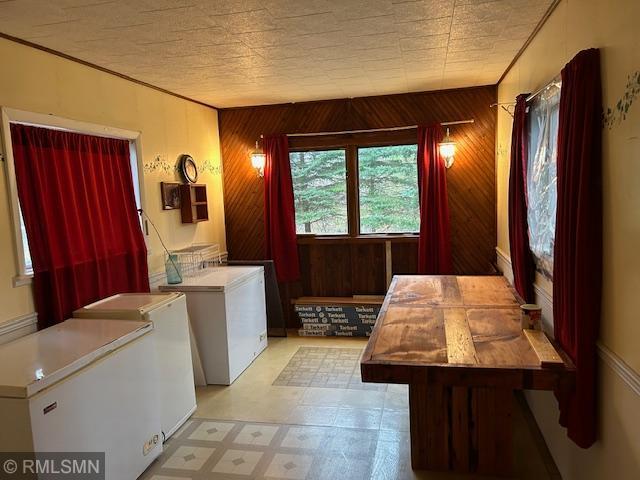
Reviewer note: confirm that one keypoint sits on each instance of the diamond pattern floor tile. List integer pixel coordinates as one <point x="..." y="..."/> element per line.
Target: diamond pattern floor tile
<point x="325" y="368"/>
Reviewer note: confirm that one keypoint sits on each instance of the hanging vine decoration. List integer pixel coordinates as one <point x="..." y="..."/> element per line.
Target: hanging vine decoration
<point x="210" y="167"/>
<point x="158" y="163"/>
<point x="619" y="113"/>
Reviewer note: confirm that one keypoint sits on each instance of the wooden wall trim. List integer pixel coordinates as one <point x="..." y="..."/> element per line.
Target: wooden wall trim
<point x="539" y="26"/>
<point x="366" y="238"/>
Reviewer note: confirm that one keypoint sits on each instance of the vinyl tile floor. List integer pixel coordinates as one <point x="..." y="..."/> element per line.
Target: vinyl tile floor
<point x="254" y="429"/>
<point x="329" y="367"/>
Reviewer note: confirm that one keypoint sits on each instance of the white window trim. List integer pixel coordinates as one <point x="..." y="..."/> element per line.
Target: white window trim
<point x="11" y="115"/>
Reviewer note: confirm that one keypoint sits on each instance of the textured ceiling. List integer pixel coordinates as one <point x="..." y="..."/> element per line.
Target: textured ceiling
<point x="251" y="52"/>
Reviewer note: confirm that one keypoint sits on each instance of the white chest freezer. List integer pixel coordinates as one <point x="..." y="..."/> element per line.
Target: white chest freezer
<point x="168" y="313"/>
<point x="83" y="387"/>
<point x="228" y="314"/>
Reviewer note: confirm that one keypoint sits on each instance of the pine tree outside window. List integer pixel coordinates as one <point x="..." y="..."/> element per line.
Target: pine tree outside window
<point x="356" y="189"/>
<point x="320" y="191"/>
<point x="388" y="180"/>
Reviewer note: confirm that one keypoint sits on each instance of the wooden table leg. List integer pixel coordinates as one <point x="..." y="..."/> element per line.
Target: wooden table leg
<point x="491" y="410"/>
<point x="429" y="425"/>
<point x="460" y="429"/>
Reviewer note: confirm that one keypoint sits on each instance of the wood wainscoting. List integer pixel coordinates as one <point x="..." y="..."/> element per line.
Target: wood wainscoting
<point x="359" y="265"/>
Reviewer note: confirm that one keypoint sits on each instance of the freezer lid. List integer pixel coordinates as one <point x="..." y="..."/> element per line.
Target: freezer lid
<point x="37" y="361"/>
<point x="218" y="279"/>
<point x="142" y="303"/>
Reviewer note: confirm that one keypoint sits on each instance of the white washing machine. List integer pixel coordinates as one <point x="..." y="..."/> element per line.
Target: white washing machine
<point x="227" y="310"/>
<point x="168" y="313"/>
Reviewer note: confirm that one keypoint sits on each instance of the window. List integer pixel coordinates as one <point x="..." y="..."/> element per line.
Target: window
<point x="542" y="176"/>
<point x="356" y="188"/>
<point x="26" y="253"/>
<point x="8" y="116"/>
<point x="28" y="266"/>
<point x="388" y="187"/>
<point x="135" y="177"/>
<point x="320" y="191"/>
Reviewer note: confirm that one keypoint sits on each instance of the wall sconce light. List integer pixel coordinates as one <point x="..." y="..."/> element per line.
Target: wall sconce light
<point x="447" y="150"/>
<point x="258" y="159"/>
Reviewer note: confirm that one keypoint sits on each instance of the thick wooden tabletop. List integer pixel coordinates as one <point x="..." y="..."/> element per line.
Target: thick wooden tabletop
<point x="458" y="331"/>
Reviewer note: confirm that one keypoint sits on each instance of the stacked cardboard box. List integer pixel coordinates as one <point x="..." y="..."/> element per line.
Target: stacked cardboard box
<point x="347" y="320"/>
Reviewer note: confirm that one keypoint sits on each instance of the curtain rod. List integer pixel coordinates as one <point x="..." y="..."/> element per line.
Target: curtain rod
<point x="372" y="130"/>
<point x="554" y="81"/>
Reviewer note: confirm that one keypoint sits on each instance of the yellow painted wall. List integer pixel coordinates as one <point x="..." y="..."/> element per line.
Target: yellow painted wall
<point x="36" y="81"/>
<point x="611" y="26"/>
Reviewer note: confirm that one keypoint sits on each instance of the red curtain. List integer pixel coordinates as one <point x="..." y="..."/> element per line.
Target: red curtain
<point x="279" y="210"/>
<point x="78" y="204"/>
<point x="434" y="244"/>
<point x="521" y="256"/>
<point x="577" y="273"/>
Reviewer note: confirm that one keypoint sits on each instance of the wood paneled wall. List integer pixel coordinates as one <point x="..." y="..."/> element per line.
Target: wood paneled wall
<point x="358" y="267"/>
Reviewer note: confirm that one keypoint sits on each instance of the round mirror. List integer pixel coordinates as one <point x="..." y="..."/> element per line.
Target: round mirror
<point x="188" y="168"/>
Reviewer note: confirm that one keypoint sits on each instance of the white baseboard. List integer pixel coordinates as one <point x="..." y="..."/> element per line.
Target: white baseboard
<point x="624" y="371"/>
<point x="18" y="327"/>
<point x="543" y="297"/>
<point x="504" y="264"/>
<point x="545" y="300"/>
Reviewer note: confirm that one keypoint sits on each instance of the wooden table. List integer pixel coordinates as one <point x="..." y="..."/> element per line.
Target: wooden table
<point x="458" y="344"/>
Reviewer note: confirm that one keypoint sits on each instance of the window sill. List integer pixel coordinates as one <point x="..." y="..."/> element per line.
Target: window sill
<point x="21" y="280"/>
<point x="366" y="238"/>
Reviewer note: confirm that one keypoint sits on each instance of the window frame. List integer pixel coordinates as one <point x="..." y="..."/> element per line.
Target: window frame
<point x="390" y="234"/>
<point x="346" y="162"/>
<point x="11" y="115"/>
<point x="350" y="143"/>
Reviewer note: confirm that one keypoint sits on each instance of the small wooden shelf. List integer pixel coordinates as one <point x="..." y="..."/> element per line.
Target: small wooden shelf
<point x="194" y="203"/>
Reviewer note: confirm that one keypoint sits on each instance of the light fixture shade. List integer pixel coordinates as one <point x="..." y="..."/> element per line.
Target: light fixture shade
<point x="258" y="159"/>
<point x="447" y="150"/>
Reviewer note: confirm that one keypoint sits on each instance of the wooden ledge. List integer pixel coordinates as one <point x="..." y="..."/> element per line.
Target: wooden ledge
<point x="355" y="300"/>
<point x="346" y="239"/>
